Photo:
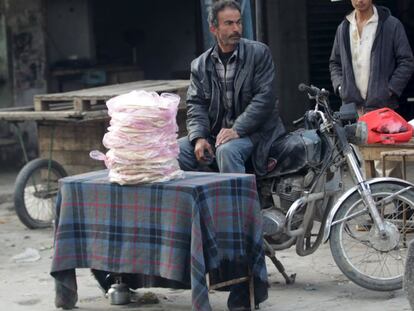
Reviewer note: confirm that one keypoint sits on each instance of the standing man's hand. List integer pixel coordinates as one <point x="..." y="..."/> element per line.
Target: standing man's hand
<point x="203" y="151"/>
<point x="226" y="135"/>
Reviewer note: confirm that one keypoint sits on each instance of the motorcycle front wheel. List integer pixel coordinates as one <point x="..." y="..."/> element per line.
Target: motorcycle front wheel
<point x="358" y="250"/>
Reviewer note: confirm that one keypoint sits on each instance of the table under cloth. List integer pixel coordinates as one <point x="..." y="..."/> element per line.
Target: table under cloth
<point x="177" y="230"/>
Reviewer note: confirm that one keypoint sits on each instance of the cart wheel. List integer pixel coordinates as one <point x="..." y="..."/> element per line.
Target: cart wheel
<point x="35" y="192"/>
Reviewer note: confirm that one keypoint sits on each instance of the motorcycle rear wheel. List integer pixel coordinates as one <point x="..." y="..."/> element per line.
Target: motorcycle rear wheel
<point x="356" y="247"/>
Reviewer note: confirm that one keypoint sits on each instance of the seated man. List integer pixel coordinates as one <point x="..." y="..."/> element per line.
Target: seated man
<point x="232" y="106"/>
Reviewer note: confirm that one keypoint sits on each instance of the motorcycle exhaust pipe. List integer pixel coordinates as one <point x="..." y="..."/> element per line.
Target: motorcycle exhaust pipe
<point x="297" y="205"/>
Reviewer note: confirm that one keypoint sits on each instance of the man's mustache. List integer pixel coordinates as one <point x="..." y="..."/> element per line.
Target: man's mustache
<point x="236" y="35"/>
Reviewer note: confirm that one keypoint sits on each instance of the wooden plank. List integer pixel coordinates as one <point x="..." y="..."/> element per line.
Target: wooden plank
<point x="70" y="143"/>
<point x="80" y="104"/>
<point x="61" y="106"/>
<point x="83" y="99"/>
<point x="7" y="142"/>
<point x="94" y="130"/>
<point x="108" y="91"/>
<point x="71" y="157"/>
<point x="372" y="152"/>
<point x="39" y="115"/>
<point x="398" y="155"/>
<point x="369" y="169"/>
<point x="40" y="105"/>
<point x="68" y="116"/>
<point x="79" y="169"/>
<point x="20" y="108"/>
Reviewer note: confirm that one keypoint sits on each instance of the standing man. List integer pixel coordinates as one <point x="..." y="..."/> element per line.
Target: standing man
<point x="371" y="60"/>
<point x="232" y="111"/>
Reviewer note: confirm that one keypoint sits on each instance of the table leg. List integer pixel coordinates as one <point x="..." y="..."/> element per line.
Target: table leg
<point x="404" y="168"/>
<point x="66" y="289"/>
<point x="369" y="169"/>
<point x="251" y="290"/>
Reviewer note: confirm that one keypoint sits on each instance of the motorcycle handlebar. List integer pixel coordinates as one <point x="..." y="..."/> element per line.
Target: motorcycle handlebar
<point x="312" y="90"/>
<point x="296" y="122"/>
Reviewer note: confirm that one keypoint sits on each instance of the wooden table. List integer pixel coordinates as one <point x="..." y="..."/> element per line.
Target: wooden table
<point x="180" y="230"/>
<point x="372" y="152"/>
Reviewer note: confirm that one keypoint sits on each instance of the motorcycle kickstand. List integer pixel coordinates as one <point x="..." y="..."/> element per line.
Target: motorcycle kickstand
<point x="289" y="279"/>
<point x="271" y="254"/>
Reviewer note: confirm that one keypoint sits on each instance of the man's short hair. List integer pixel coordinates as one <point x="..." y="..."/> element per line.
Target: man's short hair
<point x="219" y="6"/>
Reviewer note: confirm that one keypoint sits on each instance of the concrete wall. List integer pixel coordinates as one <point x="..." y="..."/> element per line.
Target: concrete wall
<point x="287" y="38"/>
<point x="164" y="31"/>
<point x="6" y="95"/>
<point x="26" y="57"/>
<point x="69" y="31"/>
<point x="25" y="23"/>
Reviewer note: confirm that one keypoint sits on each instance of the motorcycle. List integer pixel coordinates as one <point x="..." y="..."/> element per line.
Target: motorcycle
<point x="304" y="203"/>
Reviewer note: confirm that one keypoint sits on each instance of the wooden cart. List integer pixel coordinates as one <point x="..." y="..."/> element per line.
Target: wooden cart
<point x="69" y="126"/>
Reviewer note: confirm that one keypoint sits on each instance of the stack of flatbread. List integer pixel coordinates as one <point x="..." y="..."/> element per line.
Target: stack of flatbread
<point x="141" y="138"/>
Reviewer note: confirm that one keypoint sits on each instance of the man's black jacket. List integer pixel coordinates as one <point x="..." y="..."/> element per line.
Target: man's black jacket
<point x="255" y="101"/>
<point x="392" y="64"/>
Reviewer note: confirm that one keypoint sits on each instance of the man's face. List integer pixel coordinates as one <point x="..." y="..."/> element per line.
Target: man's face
<point x="362" y="5"/>
<point x="229" y="29"/>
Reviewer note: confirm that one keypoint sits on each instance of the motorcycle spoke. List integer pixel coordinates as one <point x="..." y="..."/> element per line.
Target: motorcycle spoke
<point x="356" y="230"/>
<point x="365" y="257"/>
<point x="358" y="249"/>
<point x="376" y="267"/>
<point x="398" y="256"/>
<point x="355" y="243"/>
<point x="381" y="269"/>
<point x="384" y="265"/>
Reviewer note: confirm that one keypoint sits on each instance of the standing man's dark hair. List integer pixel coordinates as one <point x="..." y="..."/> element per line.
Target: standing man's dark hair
<point x="219" y="6"/>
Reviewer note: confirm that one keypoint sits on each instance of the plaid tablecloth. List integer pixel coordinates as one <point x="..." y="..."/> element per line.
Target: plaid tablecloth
<point x="178" y="230"/>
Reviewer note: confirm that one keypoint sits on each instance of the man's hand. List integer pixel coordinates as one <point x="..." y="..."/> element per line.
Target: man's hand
<point x="202" y="147"/>
<point x="226" y="135"/>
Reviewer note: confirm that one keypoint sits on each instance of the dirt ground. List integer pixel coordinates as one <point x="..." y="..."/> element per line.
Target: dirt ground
<point x="320" y="286"/>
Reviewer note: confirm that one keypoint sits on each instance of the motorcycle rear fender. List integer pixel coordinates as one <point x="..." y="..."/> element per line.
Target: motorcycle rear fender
<point x="346" y="195"/>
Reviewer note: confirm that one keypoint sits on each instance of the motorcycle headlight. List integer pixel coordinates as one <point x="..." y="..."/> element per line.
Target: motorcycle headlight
<point x="357" y="133"/>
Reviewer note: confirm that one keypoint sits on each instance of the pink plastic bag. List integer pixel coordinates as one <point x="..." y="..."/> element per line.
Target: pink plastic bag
<point x="141" y="138"/>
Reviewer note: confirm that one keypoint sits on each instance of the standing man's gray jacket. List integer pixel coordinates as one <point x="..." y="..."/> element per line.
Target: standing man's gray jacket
<point x="255" y="102"/>
<point x="392" y="64"/>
